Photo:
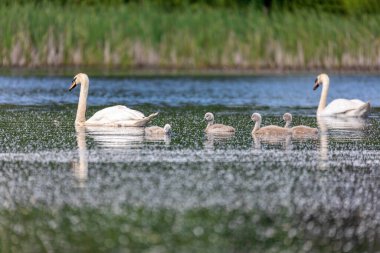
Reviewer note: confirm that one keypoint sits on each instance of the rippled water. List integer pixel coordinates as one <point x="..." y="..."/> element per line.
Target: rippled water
<point x="99" y="189"/>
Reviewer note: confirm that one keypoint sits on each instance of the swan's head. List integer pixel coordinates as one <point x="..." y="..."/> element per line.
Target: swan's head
<point x="167" y="129"/>
<point x="80" y="78"/>
<point x="321" y="79"/>
<point x="287" y="117"/>
<point x="209" y="117"/>
<point x="256" y="117"/>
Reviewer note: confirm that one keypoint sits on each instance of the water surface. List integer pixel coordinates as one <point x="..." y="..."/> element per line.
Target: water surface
<point x="99" y="189"/>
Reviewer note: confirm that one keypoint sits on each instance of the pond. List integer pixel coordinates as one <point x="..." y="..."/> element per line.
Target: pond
<point x="67" y="189"/>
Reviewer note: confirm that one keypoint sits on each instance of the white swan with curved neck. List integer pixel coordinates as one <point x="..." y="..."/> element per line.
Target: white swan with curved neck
<point x="116" y="116"/>
<point x="339" y="107"/>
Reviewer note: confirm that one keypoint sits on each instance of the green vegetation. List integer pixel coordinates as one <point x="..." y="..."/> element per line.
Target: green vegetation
<point x="139" y="229"/>
<point x="337" y="6"/>
<point x="197" y="37"/>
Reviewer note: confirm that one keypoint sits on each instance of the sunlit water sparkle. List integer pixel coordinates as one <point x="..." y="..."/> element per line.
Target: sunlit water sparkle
<point x="60" y="186"/>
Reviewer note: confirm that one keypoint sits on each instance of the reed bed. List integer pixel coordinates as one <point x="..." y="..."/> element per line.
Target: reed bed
<point x="138" y="35"/>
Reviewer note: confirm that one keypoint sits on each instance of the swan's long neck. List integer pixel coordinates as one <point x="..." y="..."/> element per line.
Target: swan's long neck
<point x="257" y="126"/>
<point x="81" y="112"/>
<point x="288" y="123"/>
<point x="323" y="100"/>
<point x="210" y="123"/>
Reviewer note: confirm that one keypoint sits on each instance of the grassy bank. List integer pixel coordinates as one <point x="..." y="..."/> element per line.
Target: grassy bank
<point x="132" y="36"/>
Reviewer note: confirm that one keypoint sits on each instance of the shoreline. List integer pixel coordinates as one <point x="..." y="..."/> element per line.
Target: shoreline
<point x="173" y="72"/>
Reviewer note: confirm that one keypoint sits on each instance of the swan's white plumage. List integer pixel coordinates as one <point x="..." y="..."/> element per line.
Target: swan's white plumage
<point x="339" y="107"/>
<point x="114" y="114"/>
<point x="117" y="115"/>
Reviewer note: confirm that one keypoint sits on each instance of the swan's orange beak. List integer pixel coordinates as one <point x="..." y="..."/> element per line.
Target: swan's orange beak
<point x="316" y="84"/>
<point x="73" y="85"/>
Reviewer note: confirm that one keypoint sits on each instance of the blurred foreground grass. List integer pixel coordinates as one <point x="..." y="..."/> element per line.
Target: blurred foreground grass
<point x="138" y="35"/>
<point x="163" y="230"/>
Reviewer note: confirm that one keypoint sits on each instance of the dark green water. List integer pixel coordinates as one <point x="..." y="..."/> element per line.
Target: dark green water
<point x="105" y="190"/>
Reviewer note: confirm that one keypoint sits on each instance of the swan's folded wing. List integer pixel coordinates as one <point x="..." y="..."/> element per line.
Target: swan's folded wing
<point x="342" y="106"/>
<point x="358" y="102"/>
<point x="115" y="113"/>
<point x="221" y="127"/>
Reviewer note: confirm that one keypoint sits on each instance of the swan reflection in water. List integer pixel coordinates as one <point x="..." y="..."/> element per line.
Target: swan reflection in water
<point x="109" y="138"/>
<point x="158" y="139"/>
<point x="80" y="168"/>
<point x="282" y="141"/>
<point x="340" y="123"/>
<point x="349" y="128"/>
<point x="123" y="137"/>
<point x="117" y="137"/>
<point x="214" y="138"/>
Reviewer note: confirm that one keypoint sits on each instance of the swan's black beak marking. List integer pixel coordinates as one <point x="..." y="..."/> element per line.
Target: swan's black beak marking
<point x="73" y="84"/>
<point x="316" y="84"/>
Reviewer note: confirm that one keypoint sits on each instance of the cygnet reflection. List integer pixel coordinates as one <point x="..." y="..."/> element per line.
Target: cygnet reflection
<point x="213" y="139"/>
<point x="280" y="141"/>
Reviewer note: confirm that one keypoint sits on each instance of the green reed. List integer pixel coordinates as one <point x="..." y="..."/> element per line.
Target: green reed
<point x="138" y="35"/>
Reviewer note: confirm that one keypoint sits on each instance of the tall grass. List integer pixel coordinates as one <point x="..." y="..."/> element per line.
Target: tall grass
<point x="135" y="35"/>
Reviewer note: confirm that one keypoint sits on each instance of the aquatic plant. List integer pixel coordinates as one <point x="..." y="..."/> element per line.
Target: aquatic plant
<point x="138" y="35"/>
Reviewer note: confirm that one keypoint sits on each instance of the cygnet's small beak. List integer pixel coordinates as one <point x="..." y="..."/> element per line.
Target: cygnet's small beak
<point x="73" y="85"/>
<point x="316" y="84"/>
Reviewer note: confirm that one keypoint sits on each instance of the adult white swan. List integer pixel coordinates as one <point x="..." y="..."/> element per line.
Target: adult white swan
<point x="116" y="116"/>
<point x="339" y="107"/>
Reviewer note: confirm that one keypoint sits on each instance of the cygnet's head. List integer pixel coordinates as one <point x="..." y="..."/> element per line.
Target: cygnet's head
<point x="78" y="79"/>
<point x="209" y="117"/>
<point x="287" y="117"/>
<point x="321" y="79"/>
<point x="256" y="117"/>
<point x="167" y="129"/>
